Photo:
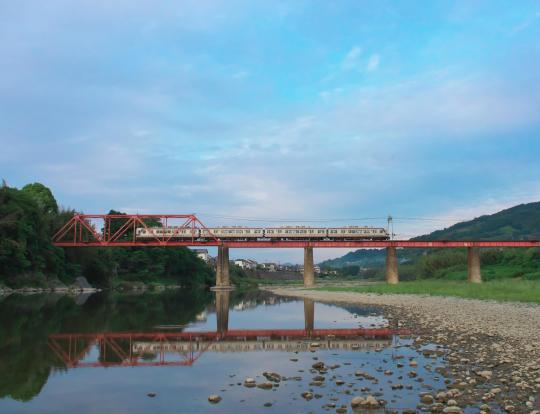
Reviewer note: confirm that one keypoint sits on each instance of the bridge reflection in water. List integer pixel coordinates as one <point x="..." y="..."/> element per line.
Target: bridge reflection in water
<point x="159" y="348"/>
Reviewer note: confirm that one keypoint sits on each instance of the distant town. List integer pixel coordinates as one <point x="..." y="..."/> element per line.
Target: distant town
<point x="267" y="267"/>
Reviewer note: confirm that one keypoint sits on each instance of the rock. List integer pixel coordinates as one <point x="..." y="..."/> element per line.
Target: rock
<point x="451" y="403"/>
<point x="371" y="402"/>
<point x="318" y="365"/>
<point x="413" y="363"/>
<point x="272" y="376"/>
<point x="82" y="283"/>
<point x="427" y="399"/>
<point x="151" y="394"/>
<point x="357" y="402"/>
<point x="452" y="410"/>
<point x="267" y="404"/>
<point x="265" y="385"/>
<point x="250" y="382"/>
<point x="214" y="399"/>
<point x="368" y="402"/>
<point x="485" y="374"/>
<point x="307" y="395"/>
<point x="340" y="382"/>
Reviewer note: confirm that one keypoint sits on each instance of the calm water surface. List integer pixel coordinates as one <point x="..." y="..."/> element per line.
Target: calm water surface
<point x="106" y="353"/>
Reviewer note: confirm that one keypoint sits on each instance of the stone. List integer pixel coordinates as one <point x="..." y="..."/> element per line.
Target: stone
<point x="318" y="366"/>
<point x="250" y="382"/>
<point x="452" y="410"/>
<point x="265" y="385"/>
<point x="272" y="376"/>
<point x="151" y="394"/>
<point x="485" y="374"/>
<point x="306" y="395"/>
<point x="357" y="402"/>
<point x="214" y="399"/>
<point x="427" y="399"/>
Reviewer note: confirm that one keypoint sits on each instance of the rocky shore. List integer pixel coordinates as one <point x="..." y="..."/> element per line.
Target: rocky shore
<point x="491" y="350"/>
<point x="80" y="285"/>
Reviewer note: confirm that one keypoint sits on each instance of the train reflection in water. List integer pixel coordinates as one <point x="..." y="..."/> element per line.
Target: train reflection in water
<point x="160" y="348"/>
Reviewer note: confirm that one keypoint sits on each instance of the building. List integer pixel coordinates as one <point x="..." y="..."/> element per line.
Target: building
<point x="202" y="254"/>
<point x="246" y="264"/>
<point x="270" y="267"/>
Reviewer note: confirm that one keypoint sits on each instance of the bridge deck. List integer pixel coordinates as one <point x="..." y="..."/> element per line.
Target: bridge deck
<point x="300" y="244"/>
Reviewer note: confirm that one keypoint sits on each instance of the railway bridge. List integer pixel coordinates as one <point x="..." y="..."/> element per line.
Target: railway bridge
<point x="120" y="230"/>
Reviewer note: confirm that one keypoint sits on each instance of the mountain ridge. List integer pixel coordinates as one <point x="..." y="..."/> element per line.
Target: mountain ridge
<point x="520" y="222"/>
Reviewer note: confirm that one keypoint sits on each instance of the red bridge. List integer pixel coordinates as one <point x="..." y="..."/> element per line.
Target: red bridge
<point x="126" y="349"/>
<point x="120" y="230"/>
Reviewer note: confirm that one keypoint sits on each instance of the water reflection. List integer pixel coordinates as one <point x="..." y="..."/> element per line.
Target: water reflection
<point x="187" y="345"/>
<point x="166" y="348"/>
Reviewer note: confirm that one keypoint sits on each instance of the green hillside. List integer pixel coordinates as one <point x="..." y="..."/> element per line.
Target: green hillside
<point x="521" y="222"/>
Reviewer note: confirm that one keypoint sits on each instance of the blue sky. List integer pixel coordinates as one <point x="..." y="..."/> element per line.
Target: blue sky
<point x="292" y="110"/>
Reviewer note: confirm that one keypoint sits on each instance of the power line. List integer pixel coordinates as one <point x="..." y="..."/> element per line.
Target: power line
<point x="321" y="220"/>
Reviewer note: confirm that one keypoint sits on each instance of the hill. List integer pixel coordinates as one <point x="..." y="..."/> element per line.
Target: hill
<point x="521" y="222"/>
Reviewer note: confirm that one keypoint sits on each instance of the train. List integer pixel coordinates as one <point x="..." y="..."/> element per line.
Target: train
<point x="240" y="233"/>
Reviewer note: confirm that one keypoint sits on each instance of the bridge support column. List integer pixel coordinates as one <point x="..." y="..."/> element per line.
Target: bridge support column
<point x="222" y="311"/>
<point x="309" y="314"/>
<point x="222" y="268"/>
<point x="473" y="265"/>
<point x="392" y="276"/>
<point x="309" y="273"/>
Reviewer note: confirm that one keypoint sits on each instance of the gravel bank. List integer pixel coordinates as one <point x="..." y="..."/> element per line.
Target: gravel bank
<point x="492" y="349"/>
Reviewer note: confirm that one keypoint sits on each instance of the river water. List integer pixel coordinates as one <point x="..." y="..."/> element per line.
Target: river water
<point x="167" y="352"/>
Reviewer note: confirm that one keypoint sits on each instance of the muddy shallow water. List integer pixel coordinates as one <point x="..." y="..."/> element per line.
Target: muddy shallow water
<point x="168" y="352"/>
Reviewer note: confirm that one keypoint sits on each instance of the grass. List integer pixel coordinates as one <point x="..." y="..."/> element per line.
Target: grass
<point x="513" y="290"/>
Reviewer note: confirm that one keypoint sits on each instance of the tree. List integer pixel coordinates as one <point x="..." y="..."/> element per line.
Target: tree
<point x="42" y="196"/>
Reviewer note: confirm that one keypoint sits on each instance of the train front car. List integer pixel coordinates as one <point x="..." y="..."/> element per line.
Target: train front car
<point x="232" y="233"/>
<point x="166" y="233"/>
<point x="357" y="233"/>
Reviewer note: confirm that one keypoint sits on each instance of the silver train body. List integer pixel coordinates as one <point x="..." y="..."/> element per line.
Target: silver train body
<point x="271" y="233"/>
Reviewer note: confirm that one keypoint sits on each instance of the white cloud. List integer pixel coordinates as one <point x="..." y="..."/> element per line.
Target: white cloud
<point x="352" y="58"/>
<point x="373" y="62"/>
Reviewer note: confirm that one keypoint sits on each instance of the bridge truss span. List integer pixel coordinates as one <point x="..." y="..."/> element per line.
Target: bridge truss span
<point x="109" y="230"/>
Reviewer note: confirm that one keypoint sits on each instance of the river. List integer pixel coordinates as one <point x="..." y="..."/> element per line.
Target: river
<point x="167" y="352"/>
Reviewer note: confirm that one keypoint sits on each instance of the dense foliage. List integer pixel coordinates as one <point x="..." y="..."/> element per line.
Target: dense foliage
<point x="29" y="217"/>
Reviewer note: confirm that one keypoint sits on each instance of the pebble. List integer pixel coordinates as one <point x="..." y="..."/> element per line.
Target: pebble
<point x="214" y="399"/>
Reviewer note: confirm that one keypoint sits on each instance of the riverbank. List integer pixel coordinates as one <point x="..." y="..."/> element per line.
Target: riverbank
<point x="506" y="290"/>
<point x="491" y="348"/>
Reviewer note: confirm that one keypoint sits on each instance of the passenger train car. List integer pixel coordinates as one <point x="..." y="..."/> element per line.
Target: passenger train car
<point x="267" y="233"/>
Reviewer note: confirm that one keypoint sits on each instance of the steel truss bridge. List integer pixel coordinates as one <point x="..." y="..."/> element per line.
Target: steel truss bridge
<point x="82" y="231"/>
<point x="129" y="349"/>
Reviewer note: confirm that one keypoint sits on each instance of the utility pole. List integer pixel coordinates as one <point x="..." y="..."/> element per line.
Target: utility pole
<point x="390" y="227"/>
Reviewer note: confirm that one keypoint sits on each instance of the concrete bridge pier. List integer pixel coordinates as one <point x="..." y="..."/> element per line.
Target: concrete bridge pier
<point x="222" y="268"/>
<point x="473" y="265"/>
<point x="309" y="314"/>
<point x="392" y="276"/>
<point x="309" y="272"/>
<point x="222" y="310"/>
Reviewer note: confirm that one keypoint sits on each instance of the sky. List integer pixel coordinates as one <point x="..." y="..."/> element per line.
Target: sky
<point x="274" y="111"/>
